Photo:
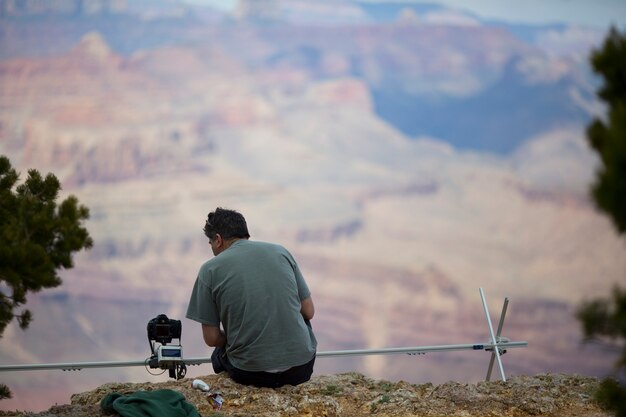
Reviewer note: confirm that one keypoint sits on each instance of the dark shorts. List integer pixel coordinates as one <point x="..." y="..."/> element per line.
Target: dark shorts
<point x="292" y="376"/>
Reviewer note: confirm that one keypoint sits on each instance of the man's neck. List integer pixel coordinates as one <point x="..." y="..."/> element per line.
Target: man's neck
<point x="228" y="243"/>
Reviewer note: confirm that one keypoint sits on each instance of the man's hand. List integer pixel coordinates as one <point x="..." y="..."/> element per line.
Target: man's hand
<point x="213" y="336"/>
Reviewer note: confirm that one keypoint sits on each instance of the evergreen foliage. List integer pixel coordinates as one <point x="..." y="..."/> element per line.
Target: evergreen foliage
<point x="37" y="238"/>
<point x="606" y="318"/>
<point x="608" y="137"/>
<point x="5" y="392"/>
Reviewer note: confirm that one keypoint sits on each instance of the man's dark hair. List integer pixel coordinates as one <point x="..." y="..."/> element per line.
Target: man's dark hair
<point x="228" y="223"/>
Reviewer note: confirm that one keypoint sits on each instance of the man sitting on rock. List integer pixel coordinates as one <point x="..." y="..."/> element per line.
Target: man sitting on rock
<point x="256" y="291"/>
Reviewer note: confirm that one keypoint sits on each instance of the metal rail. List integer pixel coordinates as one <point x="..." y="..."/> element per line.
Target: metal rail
<point x="417" y="350"/>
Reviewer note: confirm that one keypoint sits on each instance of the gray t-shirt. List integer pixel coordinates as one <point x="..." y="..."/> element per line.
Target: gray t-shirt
<point x="254" y="290"/>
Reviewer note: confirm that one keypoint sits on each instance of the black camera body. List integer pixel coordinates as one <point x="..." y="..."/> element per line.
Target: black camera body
<point x="162" y="330"/>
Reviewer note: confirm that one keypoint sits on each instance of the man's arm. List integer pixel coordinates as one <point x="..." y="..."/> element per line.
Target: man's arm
<point x="213" y="336"/>
<point x="307" y="309"/>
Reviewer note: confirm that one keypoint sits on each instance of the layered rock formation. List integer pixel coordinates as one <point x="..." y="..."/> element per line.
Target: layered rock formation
<point x="152" y="123"/>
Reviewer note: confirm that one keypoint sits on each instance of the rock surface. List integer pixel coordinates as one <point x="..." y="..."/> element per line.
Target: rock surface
<point x="352" y="394"/>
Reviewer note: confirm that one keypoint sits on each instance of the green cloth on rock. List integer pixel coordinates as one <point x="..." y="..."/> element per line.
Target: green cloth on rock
<point x="159" y="403"/>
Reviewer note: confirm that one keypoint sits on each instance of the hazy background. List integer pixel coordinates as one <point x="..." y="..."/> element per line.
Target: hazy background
<point x="406" y="153"/>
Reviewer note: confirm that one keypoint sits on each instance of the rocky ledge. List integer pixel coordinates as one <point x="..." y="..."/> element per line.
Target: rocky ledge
<point x="353" y="394"/>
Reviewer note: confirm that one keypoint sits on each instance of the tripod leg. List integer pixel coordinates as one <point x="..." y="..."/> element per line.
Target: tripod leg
<point x="498" y="334"/>
<point x="494" y="340"/>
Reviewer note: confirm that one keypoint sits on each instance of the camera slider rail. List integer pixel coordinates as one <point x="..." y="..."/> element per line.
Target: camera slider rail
<point x="497" y="345"/>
